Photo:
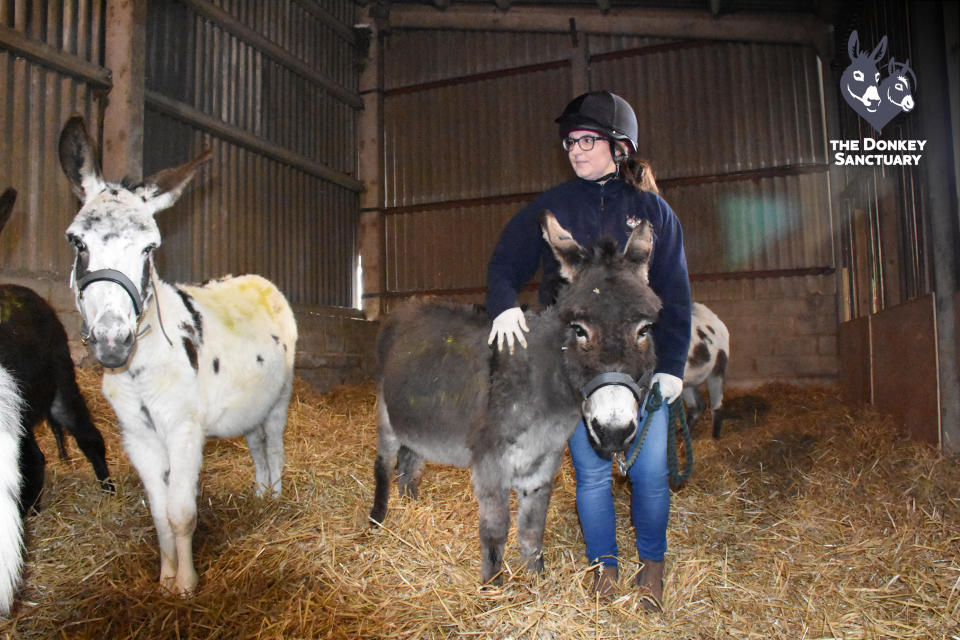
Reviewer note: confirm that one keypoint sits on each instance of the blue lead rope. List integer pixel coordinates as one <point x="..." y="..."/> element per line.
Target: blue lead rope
<point x="675" y="415"/>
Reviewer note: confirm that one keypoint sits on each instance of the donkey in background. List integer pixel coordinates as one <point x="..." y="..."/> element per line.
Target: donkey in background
<point x="34" y="350"/>
<point x="183" y="363"/>
<point x="706" y="363"/>
<point x="11" y="430"/>
<point x="444" y="396"/>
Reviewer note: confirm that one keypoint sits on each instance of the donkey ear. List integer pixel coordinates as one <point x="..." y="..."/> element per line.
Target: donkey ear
<point x="853" y="45"/>
<point x="568" y="252"/>
<point x="880" y="49"/>
<point x="639" y="249"/>
<point x="892" y="66"/>
<point x="163" y="188"/>
<point x="78" y="159"/>
<point x="6" y="205"/>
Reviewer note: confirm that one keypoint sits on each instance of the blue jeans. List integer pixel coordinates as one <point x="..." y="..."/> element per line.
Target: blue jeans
<point x="650" y="499"/>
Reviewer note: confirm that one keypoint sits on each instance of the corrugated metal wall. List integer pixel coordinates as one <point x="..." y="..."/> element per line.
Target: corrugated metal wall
<point x="271" y="88"/>
<point x="884" y="241"/>
<point x="463" y="112"/>
<point x="735" y="133"/>
<point x="37" y="95"/>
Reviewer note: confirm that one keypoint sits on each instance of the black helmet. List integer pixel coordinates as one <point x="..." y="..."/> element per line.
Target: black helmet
<point x="603" y="112"/>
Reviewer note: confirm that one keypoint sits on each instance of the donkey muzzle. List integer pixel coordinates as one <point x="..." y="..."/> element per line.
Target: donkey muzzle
<point x="611" y="403"/>
<point x="111" y="340"/>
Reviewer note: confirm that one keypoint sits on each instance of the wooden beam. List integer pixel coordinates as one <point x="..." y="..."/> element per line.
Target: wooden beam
<point x="658" y="23"/>
<point x="271" y="50"/>
<point x="240" y="137"/>
<point x="125" y="54"/>
<point x="53" y="58"/>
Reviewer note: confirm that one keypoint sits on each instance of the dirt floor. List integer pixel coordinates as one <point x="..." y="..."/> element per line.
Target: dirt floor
<point x="805" y="520"/>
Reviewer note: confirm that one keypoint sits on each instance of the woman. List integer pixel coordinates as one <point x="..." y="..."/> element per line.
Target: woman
<point x="598" y="130"/>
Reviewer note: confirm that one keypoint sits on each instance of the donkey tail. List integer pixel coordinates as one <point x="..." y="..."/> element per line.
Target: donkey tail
<point x="11" y="524"/>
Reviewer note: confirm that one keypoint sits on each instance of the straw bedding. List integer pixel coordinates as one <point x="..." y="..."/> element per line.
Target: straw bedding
<point x="806" y="520"/>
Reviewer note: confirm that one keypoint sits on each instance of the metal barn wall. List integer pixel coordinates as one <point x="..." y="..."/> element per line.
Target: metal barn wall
<point x="463" y="112"/>
<point x="271" y="88"/>
<point x="51" y="56"/>
<point x="898" y="230"/>
<point x="884" y="243"/>
<point x="735" y="133"/>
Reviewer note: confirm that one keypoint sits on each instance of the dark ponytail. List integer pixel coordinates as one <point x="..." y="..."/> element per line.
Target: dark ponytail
<point x="639" y="174"/>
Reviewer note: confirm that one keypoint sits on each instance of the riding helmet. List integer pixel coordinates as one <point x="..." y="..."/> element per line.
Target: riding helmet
<point x="603" y="112"/>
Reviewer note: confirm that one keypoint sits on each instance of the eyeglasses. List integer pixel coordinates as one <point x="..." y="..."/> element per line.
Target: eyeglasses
<point x="586" y="142"/>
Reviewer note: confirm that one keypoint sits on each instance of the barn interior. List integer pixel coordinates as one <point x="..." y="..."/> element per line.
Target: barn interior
<point x="365" y="152"/>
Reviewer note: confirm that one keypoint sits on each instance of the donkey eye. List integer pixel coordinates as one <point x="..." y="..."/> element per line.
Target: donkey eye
<point x="578" y="330"/>
<point x="643" y="331"/>
<point x="876" y="77"/>
<point x="78" y="243"/>
<point x="858" y="76"/>
<point x="147" y="249"/>
<point x="899" y="86"/>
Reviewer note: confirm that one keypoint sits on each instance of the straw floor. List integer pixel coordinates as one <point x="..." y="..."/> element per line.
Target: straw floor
<point x="806" y="520"/>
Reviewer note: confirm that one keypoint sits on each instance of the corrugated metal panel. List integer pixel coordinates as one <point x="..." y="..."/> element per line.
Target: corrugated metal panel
<point x="473" y="140"/>
<point x="770" y="224"/>
<point x="36" y="102"/>
<point x="415" y="56"/>
<point x="449" y="249"/>
<point x="721" y="107"/>
<point x="257" y="213"/>
<point x="884" y="243"/>
<point x="74" y="27"/>
<point x="715" y="111"/>
<point x="226" y="223"/>
<point x="735" y="133"/>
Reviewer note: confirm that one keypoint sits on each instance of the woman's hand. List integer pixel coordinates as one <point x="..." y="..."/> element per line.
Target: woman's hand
<point x="670" y="386"/>
<point x="507" y="327"/>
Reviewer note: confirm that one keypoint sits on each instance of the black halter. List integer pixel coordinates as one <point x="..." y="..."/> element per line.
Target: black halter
<point x="613" y="378"/>
<point x="112" y="275"/>
<point x="108" y="275"/>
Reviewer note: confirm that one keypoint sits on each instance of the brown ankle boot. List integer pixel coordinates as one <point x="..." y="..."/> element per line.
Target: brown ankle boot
<point x="605" y="581"/>
<point x="650" y="581"/>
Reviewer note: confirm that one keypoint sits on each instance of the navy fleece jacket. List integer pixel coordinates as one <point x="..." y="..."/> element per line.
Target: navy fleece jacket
<point x="589" y="211"/>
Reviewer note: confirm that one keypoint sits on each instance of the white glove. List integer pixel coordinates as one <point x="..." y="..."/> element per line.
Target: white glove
<point x="509" y="326"/>
<point x="670" y="386"/>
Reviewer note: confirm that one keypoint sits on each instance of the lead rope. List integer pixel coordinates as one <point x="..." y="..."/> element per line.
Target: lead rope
<point x="675" y="415"/>
<point x="156" y="300"/>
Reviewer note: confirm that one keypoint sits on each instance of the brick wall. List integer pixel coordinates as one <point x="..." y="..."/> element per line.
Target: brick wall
<point x="791" y="340"/>
<point x="336" y="346"/>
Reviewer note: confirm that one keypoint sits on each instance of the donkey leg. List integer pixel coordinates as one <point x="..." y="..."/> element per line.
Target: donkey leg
<point x="182" y="501"/>
<point x="273" y="427"/>
<point x="409" y="469"/>
<point x="531" y="520"/>
<point x="257" y="443"/>
<point x="493" y="499"/>
<point x="32" y="463"/>
<point x="387" y="447"/>
<point x="695" y="404"/>
<point x="69" y="412"/>
<point x="715" y="389"/>
<point x="149" y="457"/>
